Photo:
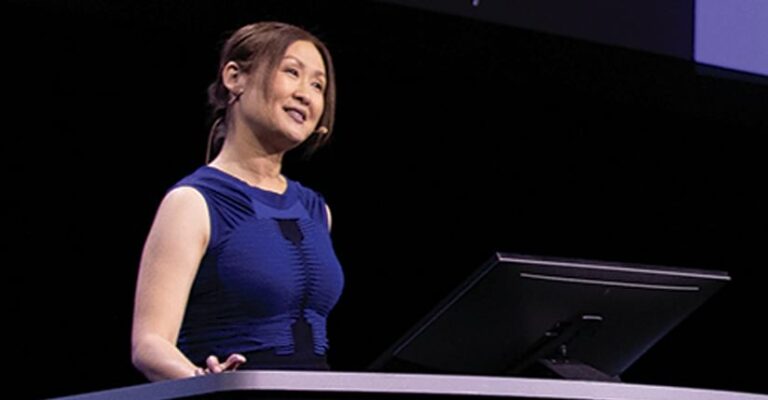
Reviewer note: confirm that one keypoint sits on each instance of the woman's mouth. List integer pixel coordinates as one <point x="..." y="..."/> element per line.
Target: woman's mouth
<point x="296" y="114"/>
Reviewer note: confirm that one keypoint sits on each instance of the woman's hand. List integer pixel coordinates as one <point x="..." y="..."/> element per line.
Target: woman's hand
<point x="216" y="367"/>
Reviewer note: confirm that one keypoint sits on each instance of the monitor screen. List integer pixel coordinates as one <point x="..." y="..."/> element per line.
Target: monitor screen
<point x="518" y="313"/>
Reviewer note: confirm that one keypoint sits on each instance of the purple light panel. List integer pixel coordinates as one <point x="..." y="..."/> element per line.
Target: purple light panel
<point x="732" y="34"/>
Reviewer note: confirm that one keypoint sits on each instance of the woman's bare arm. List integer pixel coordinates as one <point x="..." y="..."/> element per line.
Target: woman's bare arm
<point x="170" y="260"/>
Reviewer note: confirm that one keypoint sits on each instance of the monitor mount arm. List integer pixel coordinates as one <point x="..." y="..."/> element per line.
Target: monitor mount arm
<point x="550" y="353"/>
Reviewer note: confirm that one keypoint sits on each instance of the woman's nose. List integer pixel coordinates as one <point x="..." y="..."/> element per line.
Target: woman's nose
<point x="301" y="96"/>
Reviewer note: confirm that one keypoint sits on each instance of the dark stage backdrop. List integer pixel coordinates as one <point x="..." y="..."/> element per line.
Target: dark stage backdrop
<point x="455" y="138"/>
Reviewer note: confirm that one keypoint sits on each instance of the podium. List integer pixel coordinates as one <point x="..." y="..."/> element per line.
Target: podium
<point x="306" y="385"/>
<point x="513" y="312"/>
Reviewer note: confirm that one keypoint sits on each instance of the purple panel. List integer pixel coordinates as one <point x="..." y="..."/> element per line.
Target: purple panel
<point x="732" y="34"/>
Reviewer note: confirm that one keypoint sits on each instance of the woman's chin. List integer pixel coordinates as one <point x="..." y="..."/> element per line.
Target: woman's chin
<point x="295" y="138"/>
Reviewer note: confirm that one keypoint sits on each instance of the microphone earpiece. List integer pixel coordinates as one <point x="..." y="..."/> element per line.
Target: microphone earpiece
<point x="322" y="130"/>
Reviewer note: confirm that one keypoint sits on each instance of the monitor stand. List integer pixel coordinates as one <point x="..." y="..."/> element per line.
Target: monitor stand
<point x="549" y="355"/>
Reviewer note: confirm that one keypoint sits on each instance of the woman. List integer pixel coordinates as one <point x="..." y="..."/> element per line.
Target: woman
<point x="238" y="269"/>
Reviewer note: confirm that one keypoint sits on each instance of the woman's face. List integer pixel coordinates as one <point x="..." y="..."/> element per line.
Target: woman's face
<point x="297" y="96"/>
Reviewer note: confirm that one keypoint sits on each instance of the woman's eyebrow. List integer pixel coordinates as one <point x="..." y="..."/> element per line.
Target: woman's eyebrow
<point x="316" y="73"/>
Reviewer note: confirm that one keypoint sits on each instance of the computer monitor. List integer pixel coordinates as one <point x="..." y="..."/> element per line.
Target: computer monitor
<point x="543" y="316"/>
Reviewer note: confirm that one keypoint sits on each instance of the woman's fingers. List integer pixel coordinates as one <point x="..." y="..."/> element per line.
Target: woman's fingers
<point x="233" y="361"/>
<point x="214" y="366"/>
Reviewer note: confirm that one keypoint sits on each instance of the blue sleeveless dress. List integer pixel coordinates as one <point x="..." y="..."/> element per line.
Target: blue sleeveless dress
<point x="269" y="277"/>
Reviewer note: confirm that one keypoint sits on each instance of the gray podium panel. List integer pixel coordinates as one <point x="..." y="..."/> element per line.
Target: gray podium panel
<point x="359" y="386"/>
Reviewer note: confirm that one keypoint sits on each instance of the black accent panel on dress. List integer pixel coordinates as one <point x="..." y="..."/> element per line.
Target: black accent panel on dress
<point x="291" y="230"/>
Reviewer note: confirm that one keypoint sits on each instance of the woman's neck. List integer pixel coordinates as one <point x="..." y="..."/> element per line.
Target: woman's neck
<point x="249" y="161"/>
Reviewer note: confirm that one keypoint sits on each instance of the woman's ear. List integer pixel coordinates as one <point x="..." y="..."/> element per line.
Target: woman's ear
<point x="233" y="78"/>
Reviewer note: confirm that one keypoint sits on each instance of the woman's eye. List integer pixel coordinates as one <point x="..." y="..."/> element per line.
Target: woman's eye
<point x="318" y="86"/>
<point x="292" y="71"/>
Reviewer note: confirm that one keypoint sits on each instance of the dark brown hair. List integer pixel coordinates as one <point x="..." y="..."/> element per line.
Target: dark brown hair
<point x="260" y="48"/>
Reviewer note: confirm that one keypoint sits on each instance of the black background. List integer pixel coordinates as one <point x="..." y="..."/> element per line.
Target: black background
<point x="455" y="139"/>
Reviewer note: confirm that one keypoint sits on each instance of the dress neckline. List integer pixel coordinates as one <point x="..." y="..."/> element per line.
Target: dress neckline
<point x="274" y="199"/>
<point x="244" y="183"/>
